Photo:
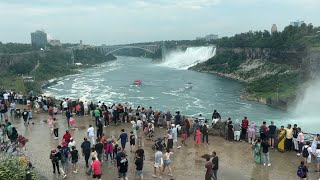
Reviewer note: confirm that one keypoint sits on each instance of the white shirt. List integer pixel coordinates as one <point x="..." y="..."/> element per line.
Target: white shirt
<point x="5" y="96"/>
<point x="139" y="123"/>
<point x="39" y="99"/>
<point x="55" y="109"/>
<point x="65" y="104"/>
<point x="85" y="105"/>
<point x="91" y="131"/>
<point x="300" y="137"/>
<point x="73" y="143"/>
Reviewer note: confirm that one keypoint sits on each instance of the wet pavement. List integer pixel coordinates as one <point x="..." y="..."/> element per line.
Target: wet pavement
<point x="236" y="161"/>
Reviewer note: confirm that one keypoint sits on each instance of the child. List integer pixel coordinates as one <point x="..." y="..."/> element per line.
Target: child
<point x="30" y="117"/>
<point x="72" y="123"/>
<point x="198" y="137"/>
<point x="50" y="124"/>
<point x="132" y="141"/>
<point x="115" y="148"/>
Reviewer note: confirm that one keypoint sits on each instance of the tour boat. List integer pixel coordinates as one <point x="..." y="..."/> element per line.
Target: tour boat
<point x="137" y="82"/>
<point x="188" y="85"/>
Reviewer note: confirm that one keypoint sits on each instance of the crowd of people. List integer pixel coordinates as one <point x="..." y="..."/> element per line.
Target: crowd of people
<point x="98" y="147"/>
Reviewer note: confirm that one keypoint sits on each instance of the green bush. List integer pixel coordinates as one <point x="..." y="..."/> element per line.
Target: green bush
<point x="12" y="169"/>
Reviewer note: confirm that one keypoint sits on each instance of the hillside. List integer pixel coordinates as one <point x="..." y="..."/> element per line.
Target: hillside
<point x="274" y="66"/>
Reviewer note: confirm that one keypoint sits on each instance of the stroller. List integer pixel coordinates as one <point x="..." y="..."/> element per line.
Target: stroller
<point x="159" y="143"/>
<point x="17" y="113"/>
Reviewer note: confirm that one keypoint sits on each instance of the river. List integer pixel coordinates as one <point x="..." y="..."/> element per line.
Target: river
<point x="163" y="88"/>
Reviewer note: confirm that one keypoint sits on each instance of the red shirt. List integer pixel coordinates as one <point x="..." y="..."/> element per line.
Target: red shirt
<point x="245" y="123"/>
<point x="96" y="167"/>
<point x="67" y="136"/>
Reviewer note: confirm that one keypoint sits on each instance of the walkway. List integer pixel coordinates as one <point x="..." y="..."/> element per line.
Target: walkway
<point x="236" y="160"/>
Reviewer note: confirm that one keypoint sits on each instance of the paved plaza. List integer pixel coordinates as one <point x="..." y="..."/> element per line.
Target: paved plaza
<point x="236" y="161"/>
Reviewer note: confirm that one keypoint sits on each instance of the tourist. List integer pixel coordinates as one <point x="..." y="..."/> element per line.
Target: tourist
<point x="168" y="119"/>
<point x="300" y="141"/>
<point x="12" y="109"/>
<point x="188" y="126"/>
<point x="205" y="132"/>
<point x="208" y="167"/>
<point x="139" y="165"/>
<point x="66" y="137"/>
<point x="96" y="114"/>
<point x="85" y="108"/>
<point x="134" y="129"/>
<point x="263" y="131"/>
<point x="237" y="128"/>
<point x="315" y="143"/>
<point x="272" y="134"/>
<point x="85" y="146"/>
<point x="108" y="150"/>
<point x="72" y="122"/>
<point x="118" y="158"/>
<point x="99" y="149"/>
<point x="30" y="117"/>
<point x="302" y="171"/>
<point x="244" y="128"/>
<point x="65" y="150"/>
<point x="295" y="133"/>
<point x="226" y="123"/>
<point x="161" y="118"/>
<point x="169" y="139"/>
<point x="55" y="110"/>
<point x="96" y="168"/>
<point x="184" y="134"/>
<point x="93" y="154"/>
<point x="124" y="139"/>
<point x="55" y="157"/>
<point x="306" y="153"/>
<point x="281" y="139"/>
<point x="251" y="132"/>
<point x="215" y="165"/>
<point x="175" y="135"/>
<point x="201" y="121"/>
<point x="99" y="129"/>
<point x="55" y="128"/>
<point x="123" y="167"/>
<point x="157" y="162"/>
<point x="106" y="117"/>
<point x="230" y="132"/>
<point x="74" y="158"/>
<point x="68" y="116"/>
<point x="289" y="136"/>
<point x="90" y="132"/>
<point x="62" y="160"/>
<point x="215" y="117"/>
<point x="197" y="137"/>
<point x="265" y="152"/>
<point x="132" y="142"/>
<point x="257" y="151"/>
<point x="167" y="161"/>
<point x="25" y="115"/>
<point x="72" y="143"/>
<point x="317" y="157"/>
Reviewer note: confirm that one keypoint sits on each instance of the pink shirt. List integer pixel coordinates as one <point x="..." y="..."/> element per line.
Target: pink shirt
<point x="96" y="167"/>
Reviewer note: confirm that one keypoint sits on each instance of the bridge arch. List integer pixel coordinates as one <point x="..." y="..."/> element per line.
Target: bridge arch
<point x="128" y="47"/>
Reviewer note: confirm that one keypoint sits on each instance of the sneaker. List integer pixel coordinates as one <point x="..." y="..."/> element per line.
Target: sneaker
<point x="178" y="147"/>
<point x="56" y="138"/>
<point x="170" y="175"/>
<point x="298" y="154"/>
<point x="64" y="176"/>
<point x="269" y="164"/>
<point x="264" y="164"/>
<point x="154" y="175"/>
<point x="104" y="126"/>
<point x="75" y="171"/>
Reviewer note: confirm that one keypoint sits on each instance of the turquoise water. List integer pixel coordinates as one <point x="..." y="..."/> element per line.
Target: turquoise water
<point x="163" y="88"/>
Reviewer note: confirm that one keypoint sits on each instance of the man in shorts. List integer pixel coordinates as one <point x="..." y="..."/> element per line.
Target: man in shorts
<point x="139" y="166"/>
<point x="96" y="168"/>
<point x="157" y="162"/>
<point x="123" y="167"/>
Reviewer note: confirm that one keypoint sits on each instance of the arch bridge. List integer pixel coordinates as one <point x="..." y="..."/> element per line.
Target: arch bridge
<point x="110" y="49"/>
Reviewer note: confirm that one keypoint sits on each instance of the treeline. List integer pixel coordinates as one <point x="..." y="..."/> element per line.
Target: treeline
<point x="92" y="56"/>
<point x="10" y="48"/>
<point x="290" y="38"/>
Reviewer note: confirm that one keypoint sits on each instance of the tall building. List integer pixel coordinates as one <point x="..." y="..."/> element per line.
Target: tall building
<point x="211" y="37"/>
<point x="274" y="28"/>
<point x="39" y="39"/>
<point x="296" y="23"/>
<point x="55" y="42"/>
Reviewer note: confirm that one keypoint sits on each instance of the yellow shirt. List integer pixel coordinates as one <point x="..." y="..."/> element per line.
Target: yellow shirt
<point x="289" y="133"/>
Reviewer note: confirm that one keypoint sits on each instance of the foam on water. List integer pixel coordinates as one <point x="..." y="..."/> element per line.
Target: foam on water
<point x="188" y="58"/>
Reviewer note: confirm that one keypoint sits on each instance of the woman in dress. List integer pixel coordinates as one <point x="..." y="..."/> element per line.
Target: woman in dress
<point x="230" y="131"/>
<point x="198" y="137"/>
<point x="257" y="151"/>
<point x="251" y="132"/>
<point x="167" y="161"/>
<point x="281" y="139"/>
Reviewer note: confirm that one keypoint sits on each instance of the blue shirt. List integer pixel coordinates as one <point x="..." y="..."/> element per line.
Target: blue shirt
<point x="123" y="137"/>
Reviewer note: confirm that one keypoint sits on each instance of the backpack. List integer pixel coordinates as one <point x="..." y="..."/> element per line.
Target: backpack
<point x="300" y="171"/>
<point x="63" y="156"/>
<point x="204" y="129"/>
<point x="305" y="152"/>
<point x="137" y="127"/>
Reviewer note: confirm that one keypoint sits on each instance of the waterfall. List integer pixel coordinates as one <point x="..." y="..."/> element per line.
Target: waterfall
<point x="188" y="58"/>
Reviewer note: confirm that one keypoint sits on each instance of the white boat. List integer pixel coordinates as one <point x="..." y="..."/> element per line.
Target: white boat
<point x="188" y="85"/>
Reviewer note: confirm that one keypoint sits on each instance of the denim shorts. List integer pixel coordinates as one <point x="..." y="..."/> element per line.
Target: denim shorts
<point x="318" y="160"/>
<point x="122" y="175"/>
<point x="139" y="173"/>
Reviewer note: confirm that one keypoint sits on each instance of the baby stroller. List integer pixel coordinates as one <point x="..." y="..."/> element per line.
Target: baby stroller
<point x="17" y="113"/>
<point x="159" y="143"/>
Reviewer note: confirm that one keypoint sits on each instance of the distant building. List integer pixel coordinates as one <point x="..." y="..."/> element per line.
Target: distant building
<point x="274" y="28"/>
<point x="211" y="37"/>
<point x="208" y="37"/>
<point x="39" y="39"/>
<point x="81" y="43"/>
<point x="296" y="23"/>
<point x="55" y="42"/>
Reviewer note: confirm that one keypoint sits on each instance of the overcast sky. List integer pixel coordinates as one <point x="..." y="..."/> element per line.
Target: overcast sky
<point x="126" y="21"/>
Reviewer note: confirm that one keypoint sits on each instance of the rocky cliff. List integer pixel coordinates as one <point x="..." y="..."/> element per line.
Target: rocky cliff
<point x="272" y="76"/>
